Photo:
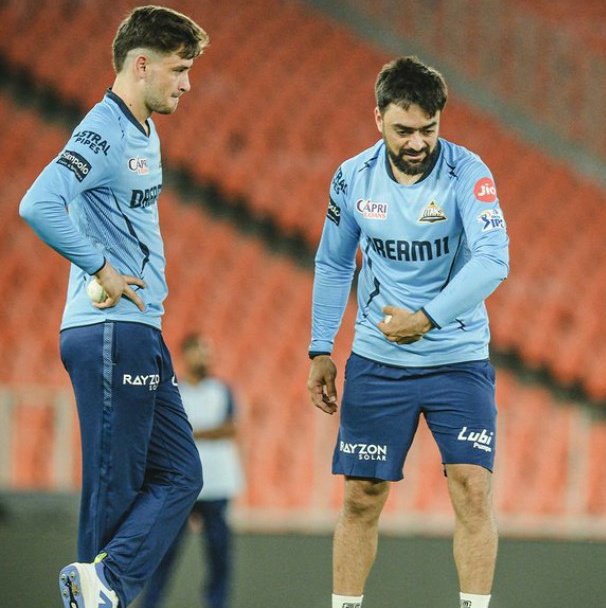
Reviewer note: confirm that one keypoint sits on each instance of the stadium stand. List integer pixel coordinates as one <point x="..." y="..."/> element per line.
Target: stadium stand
<point x="586" y="18"/>
<point x="261" y="339"/>
<point x="543" y="59"/>
<point x="270" y="134"/>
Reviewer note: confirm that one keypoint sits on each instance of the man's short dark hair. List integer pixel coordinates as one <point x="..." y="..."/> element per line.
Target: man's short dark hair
<point x="192" y="340"/>
<point x="159" y="29"/>
<point x="406" y="81"/>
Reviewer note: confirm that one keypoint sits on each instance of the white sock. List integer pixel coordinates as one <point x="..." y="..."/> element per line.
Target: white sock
<point x="471" y="600"/>
<point x="346" y="601"/>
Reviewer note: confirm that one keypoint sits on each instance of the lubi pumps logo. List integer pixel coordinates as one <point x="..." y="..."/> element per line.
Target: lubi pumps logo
<point x="481" y="440"/>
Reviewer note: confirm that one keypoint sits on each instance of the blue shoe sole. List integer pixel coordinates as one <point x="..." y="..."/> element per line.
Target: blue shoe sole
<point x="69" y="587"/>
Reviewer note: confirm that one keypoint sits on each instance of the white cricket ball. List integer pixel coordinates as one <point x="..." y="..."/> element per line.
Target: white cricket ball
<point x="95" y="292"/>
<point x="387" y="319"/>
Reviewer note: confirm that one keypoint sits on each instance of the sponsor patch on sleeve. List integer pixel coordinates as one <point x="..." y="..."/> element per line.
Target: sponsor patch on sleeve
<point x="334" y="212"/>
<point x="485" y="190"/>
<point x="338" y="182"/>
<point x="491" y="219"/>
<point x="76" y="163"/>
<point x="93" y="140"/>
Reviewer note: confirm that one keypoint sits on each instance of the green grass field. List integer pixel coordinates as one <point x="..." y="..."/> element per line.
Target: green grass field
<point x="37" y="537"/>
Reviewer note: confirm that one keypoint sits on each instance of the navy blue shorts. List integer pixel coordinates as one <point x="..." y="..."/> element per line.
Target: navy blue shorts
<point x="380" y="413"/>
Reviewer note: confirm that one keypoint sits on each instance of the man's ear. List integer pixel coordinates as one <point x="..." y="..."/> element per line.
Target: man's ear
<point x="140" y="65"/>
<point x="379" y="119"/>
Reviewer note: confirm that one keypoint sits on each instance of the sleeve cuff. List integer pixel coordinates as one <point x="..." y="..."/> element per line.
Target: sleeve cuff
<point x="314" y="353"/>
<point x="431" y="319"/>
<point x="99" y="268"/>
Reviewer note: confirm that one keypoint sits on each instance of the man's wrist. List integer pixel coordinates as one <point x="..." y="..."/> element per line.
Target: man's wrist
<point x="100" y="268"/>
<point x="425" y="320"/>
<point x="314" y="353"/>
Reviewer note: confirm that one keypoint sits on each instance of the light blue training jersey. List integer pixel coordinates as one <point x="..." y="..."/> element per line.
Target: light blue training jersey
<point x="97" y="200"/>
<point x="439" y="244"/>
<point x="209" y="404"/>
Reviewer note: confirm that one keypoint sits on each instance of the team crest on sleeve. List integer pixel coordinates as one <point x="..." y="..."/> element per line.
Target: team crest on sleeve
<point x="76" y="163"/>
<point x="372" y="210"/>
<point x="485" y="190"/>
<point x="334" y="212"/>
<point x="492" y="219"/>
<point x="431" y="214"/>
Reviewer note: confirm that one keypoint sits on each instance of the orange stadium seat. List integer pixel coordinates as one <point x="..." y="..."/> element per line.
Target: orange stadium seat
<point x="32" y="424"/>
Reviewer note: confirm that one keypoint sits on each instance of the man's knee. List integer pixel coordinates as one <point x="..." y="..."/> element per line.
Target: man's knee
<point x="364" y="498"/>
<point x="470" y="490"/>
<point x="195" y="477"/>
<point x="188" y="477"/>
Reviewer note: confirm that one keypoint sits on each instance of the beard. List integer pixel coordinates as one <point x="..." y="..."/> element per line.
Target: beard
<point x="160" y="105"/>
<point x="161" y="108"/>
<point x="418" y="166"/>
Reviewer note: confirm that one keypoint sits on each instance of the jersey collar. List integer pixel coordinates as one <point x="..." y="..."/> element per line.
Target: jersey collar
<point x="125" y="109"/>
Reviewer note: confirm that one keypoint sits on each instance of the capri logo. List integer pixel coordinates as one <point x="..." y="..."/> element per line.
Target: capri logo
<point x="365" y="451"/>
<point x="480" y="439"/>
<point x="151" y="380"/>
<point x="138" y="165"/>
<point x="372" y="210"/>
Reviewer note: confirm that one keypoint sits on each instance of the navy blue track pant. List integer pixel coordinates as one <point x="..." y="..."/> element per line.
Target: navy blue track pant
<point x="141" y="470"/>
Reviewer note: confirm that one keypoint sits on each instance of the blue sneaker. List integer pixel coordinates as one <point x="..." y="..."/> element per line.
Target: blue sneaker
<point x="85" y="586"/>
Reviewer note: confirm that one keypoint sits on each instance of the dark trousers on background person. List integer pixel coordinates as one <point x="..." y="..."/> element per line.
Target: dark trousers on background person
<point x="216" y="545"/>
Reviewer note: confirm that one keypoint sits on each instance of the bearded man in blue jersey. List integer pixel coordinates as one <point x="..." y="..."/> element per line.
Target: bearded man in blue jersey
<point x="96" y="204"/>
<point x="426" y="216"/>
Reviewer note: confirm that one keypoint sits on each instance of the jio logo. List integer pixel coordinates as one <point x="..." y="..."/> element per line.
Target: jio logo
<point x="485" y="190"/>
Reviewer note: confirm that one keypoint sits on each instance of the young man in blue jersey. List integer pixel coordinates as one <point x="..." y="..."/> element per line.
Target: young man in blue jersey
<point x="426" y="217"/>
<point x="96" y="204"/>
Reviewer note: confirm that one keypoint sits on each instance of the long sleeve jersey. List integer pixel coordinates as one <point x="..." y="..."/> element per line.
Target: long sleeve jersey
<point x="97" y="201"/>
<point x="439" y="244"/>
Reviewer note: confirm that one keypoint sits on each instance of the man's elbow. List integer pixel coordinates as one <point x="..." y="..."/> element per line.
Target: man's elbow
<point x="495" y="270"/>
<point x="504" y="268"/>
<point x="496" y="264"/>
<point x="27" y="209"/>
<point x="501" y="269"/>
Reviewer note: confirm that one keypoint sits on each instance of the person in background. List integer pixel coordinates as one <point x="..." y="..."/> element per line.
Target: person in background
<point x="211" y="409"/>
